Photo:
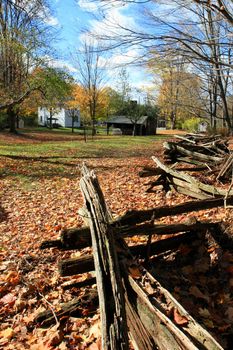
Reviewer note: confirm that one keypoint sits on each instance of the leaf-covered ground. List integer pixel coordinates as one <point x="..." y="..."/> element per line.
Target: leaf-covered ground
<point x="40" y="196"/>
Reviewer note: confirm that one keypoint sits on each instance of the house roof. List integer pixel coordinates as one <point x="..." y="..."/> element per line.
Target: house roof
<point x="121" y="119"/>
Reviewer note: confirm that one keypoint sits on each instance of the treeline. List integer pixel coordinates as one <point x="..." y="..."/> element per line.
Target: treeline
<point x="187" y="45"/>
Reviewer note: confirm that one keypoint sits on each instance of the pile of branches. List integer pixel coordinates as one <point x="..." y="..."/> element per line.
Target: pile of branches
<point x="182" y="182"/>
<point x="209" y="152"/>
<point x="129" y="296"/>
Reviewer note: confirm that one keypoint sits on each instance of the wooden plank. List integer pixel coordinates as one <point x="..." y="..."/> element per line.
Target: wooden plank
<point x="78" y="238"/>
<point x="195" y="155"/>
<point x="198" y="335"/>
<point x="109" y="284"/>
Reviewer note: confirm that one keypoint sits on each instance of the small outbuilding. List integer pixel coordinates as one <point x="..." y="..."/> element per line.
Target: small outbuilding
<point x="144" y="126"/>
<point x="202" y="126"/>
<point x="60" y="116"/>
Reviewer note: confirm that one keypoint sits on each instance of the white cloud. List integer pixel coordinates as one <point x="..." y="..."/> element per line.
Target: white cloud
<point x="114" y="21"/>
<point x="51" y="21"/>
<point x="47" y="17"/>
<point x="58" y="63"/>
<point x="87" y="5"/>
<point x="112" y="16"/>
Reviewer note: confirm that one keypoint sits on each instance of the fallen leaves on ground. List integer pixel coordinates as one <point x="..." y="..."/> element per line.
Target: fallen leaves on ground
<point x="36" y="208"/>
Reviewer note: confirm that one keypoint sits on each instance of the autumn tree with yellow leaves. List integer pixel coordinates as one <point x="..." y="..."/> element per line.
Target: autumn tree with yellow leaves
<point x="91" y="81"/>
<point x="179" y="91"/>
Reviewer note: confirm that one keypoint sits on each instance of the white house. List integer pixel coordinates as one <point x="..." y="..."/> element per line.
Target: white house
<point x="60" y="116"/>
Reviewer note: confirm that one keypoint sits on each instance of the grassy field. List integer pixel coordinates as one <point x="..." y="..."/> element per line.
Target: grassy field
<point x="36" y="153"/>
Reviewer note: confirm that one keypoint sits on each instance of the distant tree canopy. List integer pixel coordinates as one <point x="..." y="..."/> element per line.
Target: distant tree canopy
<point x="24" y="38"/>
<point x="199" y="32"/>
<point x="54" y="88"/>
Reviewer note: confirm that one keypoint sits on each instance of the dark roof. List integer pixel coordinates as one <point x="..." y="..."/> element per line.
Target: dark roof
<point x="121" y="119"/>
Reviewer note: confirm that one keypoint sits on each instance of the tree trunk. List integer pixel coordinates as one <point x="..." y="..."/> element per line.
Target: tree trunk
<point x="134" y="129"/>
<point x="12" y="119"/>
<point x="173" y="120"/>
<point x="50" y="118"/>
<point x="225" y="105"/>
<point x="84" y="133"/>
<point x="93" y="133"/>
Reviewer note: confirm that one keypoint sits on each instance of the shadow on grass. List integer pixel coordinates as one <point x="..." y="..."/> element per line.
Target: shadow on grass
<point x="99" y="154"/>
<point x="67" y="164"/>
<point x="31" y="169"/>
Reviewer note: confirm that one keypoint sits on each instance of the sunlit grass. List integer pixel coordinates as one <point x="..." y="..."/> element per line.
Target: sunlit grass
<point x="107" y="146"/>
<point x="32" y="159"/>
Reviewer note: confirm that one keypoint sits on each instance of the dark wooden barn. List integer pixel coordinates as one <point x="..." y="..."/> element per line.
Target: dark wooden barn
<point x="144" y="126"/>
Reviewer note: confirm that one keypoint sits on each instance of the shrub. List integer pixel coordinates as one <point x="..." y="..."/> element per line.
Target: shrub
<point x="191" y="124"/>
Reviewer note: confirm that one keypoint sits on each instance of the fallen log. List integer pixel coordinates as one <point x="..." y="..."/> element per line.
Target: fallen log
<point x="165" y="332"/>
<point x="150" y="308"/>
<point x="159" y="318"/>
<point x="73" y="308"/>
<point x="226" y="168"/>
<point x="186" y="139"/>
<point x="221" y="232"/>
<point x="184" y="189"/>
<point x="75" y="266"/>
<point x="191" y="161"/>
<point x="147" y="172"/>
<point x="87" y="282"/>
<point x="139" y="334"/>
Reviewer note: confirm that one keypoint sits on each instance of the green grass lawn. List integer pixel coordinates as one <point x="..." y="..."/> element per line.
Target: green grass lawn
<point x="99" y="146"/>
<point x="48" y="154"/>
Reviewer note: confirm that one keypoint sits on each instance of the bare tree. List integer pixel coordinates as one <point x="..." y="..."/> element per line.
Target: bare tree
<point x="200" y="31"/>
<point x="92" y="75"/>
<point x="222" y="7"/>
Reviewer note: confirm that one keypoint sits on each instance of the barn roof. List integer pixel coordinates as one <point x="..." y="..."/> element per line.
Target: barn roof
<point x="121" y="119"/>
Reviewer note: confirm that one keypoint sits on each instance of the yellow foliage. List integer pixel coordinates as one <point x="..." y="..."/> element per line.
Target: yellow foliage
<point x="179" y="95"/>
<point x="83" y="99"/>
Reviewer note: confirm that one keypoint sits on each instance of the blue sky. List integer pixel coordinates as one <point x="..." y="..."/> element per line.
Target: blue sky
<point x="70" y="17"/>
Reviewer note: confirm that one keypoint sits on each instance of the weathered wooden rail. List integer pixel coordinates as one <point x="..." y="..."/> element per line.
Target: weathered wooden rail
<point x="212" y="153"/>
<point x="130" y="298"/>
